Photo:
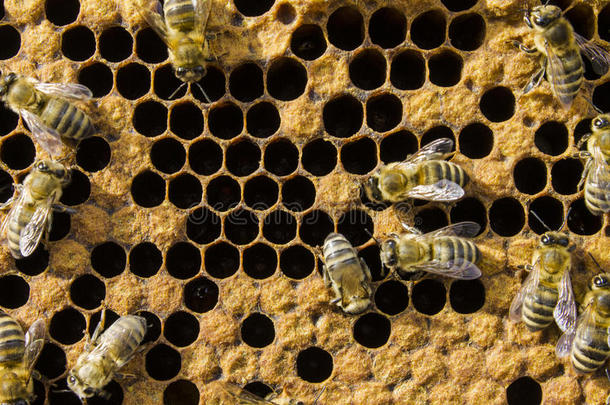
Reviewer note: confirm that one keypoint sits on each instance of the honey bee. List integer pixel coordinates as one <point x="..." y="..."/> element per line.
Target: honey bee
<point x="424" y="175"/>
<point x="444" y="252"/>
<point x="18" y="354"/>
<point x="29" y="216"/>
<point x="244" y="397"/>
<point x="52" y="119"/>
<point x="559" y="48"/>
<point x="111" y="350"/>
<point x="348" y="274"/>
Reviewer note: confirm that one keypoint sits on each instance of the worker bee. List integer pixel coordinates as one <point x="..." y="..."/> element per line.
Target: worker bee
<point x="244" y="397"/>
<point x="29" y="216"/>
<point x="182" y="27"/>
<point x="424" y="175"/>
<point x="111" y="350"/>
<point x="52" y="119"/>
<point x="444" y="252"/>
<point x="559" y="48"/>
<point x="18" y="354"/>
<point x="348" y="274"/>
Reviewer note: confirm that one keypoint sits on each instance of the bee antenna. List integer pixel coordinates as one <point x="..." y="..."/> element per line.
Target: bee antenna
<point x="596" y="263"/>
<point x="372" y="236"/>
<point x="203" y="92"/>
<point x="324" y="388"/>
<point x="177" y="90"/>
<point x="565" y="220"/>
<point x="540" y="220"/>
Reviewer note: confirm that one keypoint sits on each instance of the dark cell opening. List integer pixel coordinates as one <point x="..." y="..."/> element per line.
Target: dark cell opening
<point x="145" y="259"/>
<point x="94" y="320"/>
<point x="582" y="18"/>
<point x="342" y="116"/>
<point x="467" y="31"/>
<point x="205" y="157"/>
<point x="8" y="120"/>
<point x="200" y="295"/>
<point x="116" y="44"/>
<point x="213" y="84"/>
<point x="262" y="120"/>
<point x="77" y="192"/>
<point x="108" y="259"/>
<point x="153" y="326"/>
<point x="183" y="261"/>
<point x="315" y="227"/>
<point x="370" y="255"/>
<point x="392" y="297"/>
<point x="181" y="392"/>
<point x="530" y="175"/>
<point x="18" y="151"/>
<point x="115" y="395"/>
<point x="445" y="68"/>
<point x="97" y="77"/>
<point x="185" y="191"/>
<point x="221" y="261"/>
<point x="383" y="112"/>
<point x="260" y="261"/>
<point x="226" y="121"/>
<point x="243" y="158"/>
<point x="549" y="210"/>
<point x="285" y="13"/>
<point x="469" y="209"/>
<point x="408" y="70"/>
<point x="319" y="157"/>
<point x="582" y="128"/>
<point x="166" y="83"/>
<point x="387" y="27"/>
<point x="52" y="361"/>
<point x="308" y="42"/>
<point x="148" y="189"/>
<point x="281" y="158"/>
<point x="345" y="28"/>
<point x="498" y="104"/>
<point x="258" y="388"/>
<point x="552" y="138"/>
<point x="203" y="226"/>
<point x="87" y="291"/>
<point x="356" y="226"/>
<point x="506" y="216"/>
<point x="241" y="227"/>
<point x="62" y="395"/>
<point x="163" y="363"/>
<point x="314" y="365"/>
<point x="133" y="81"/>
<point x="181" y="329"/>
<point x="297" y="262"/>
<point x="603" y="23"/>
<point x="167" y="155"/>
<point x="298" y="194"/>
<point x="150" y="118"/>
<point x="429" y="296"/>
<point x="257" y="330"/>
<point x="39" y="390"/>
<point x="437" y="133"/>
<point x="458" y="5"/>
<point x="67" y="326"/>
<point x="286" y="79"/>
<point x="581" y="220"/>
<point x="251" y="8"/>
<point x="565" y="175"/>
<point x="429" y="29"/>
<point x="476" y="141"/>
<point x="149" y="47"/>
<point x="359" y="157"/>
<point x="280" y="227"/>
<point x="6" y="186"/>
<point x="524" y="391"/>
<point x="367" y="70"/>
<point x="466" y="296"/>
<point x="60" y="226"/>
<point x="430" y="219"/>
<point x="14" y="291"/>
<point x="397" y="146"/>
<point x="246" y="82"/>
<point x="372" y="330"/>
<point x="93" y="154"/>
<point x="62" y="12"/>
<point x="260" y="193"/>
<point x="35" y="263"/>
<point x="601" y="97"/>
<point x="223" y="193"/>
<point x="77" y="43"/>
<point x="186" y="120"/>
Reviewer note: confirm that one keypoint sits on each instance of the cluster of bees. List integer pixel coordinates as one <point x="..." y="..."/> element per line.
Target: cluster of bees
<point x="56" y="122"/>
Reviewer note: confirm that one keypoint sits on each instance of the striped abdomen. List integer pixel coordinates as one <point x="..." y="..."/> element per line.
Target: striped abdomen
<point x="590" y="354"/>
<point x="16" y="225"/>
<point x="566" y="84"/>
<point x="69" y="122"/>
<point x="179" y="15"/>
<point x="122" y="338"/>
<point x="451" y="249"/>
<point x="12" y="339"/>
<point x="436" y="170"/>
<point x="538" y="307"/>
<point x="339" y="253"/>
<point x="597" y="198"/>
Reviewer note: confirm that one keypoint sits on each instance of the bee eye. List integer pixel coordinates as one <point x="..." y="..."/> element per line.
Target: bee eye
<point x="200" y="70"/>
<point x="72" y="379"/>
<point x="42" y="166"/>
<point x="89" y="391"/>
<point x="599" y="281"/>
<point x="545" y="239"/>
<point x="181" y="71"/>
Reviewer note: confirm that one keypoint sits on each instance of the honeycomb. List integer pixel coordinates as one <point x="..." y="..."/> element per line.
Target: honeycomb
<point x="207" y="218"/>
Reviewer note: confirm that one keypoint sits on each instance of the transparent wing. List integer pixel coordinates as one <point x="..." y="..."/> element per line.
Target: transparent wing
<point x="443" y="190"/>
<point x="529" y="285"/>
<point x="599" y="57"/>
<point x="48" y="138"/>
<point x="599" y="175"/>
<point x="151" y="10"/>
<point x="202" y="13"/>
<point x="460" y="268"/>
<point x="556" y="75"/>
<point x="13" y="212"/>
<point x="466" y="229"/>
<point x="434" y="150"/>
<point x="69" y="90"/>
<point x="244" y="397"/>
<point x="34" y="341"/>
<point x="584" y="328"/>
<point x="565" y="310"/>
<point x="31" y="234"/>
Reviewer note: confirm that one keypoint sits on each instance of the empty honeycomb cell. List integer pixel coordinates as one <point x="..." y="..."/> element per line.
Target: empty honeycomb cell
<point x="286" y="79"/>
<point x="297" y="262"/>
<point x="392" y="297"/>
<point x="315" y="227"/>
<point x="582" y="18"/>
<point x="8" y="120"/>
<point x="408" y="70"/>
<point x="114" y="395"/>
<point x="397" y="146"/>
<point x="506" y="216"/>
<point x="108" y="259"/>
<point x="603" y="23"/>
<point x="262" y="120"/>
<point x="94" y="320"/>
<point x="258" y="388"/>
<point x="601" y="96"/>
<point x="345" y="28"/>
<point x="11" y="41"/>
<point x="458" y="5"/>
<point x="183" y="260"/>
<point x="314" y="365"/>
<point x="62" y="12"/>
<point x="469" y="209"/>
<point x="52" y="361"/>
<point x="308" y="42"/>
<point x="431" y="219"/>
<point x="181" y="329"/>
<point x="87" y="291"/>
<point x="6" y="189"/>
<point x="243" y="157"/>
<point x="203" y="226"/>
<point x="226" y="121"/>
<point x="39" y="390"/>
<point x="133" y="81"/>
<point x="200" y="295"/>
<point x="581" y="220"/>
<point x="356" y="225"/>
<point x="153" y="326"/>
<point x="281" y="158"/>
<point x="466" y="296"/>
<point x="67" y="326"/>
<point x="260" y="261"/>
<point x="285" y="13"/>
<point x="145" y="259"/>
<point x="148" y="189"/>
<point x="167" y="155"/>
<point x="257" y="330"/>
<point x="78" y="190"/>
<point x="581" y="129"/>
<point x="93" y="154"/>
<point x="429" y="29"/>
<point x="186" y="120"/>
<point x="246" y="82"/>
<point x="498" y="104"/>
<point x="383" y="112"/>
<point x="185" y="191"/>
<point x="78" y="43"/>
<point x="166" y="85"/>
<point x="162" y="362"/>
<point x="549" y="210"/>
<point x="319" y="157"/>
<point x="529" y="175"/>
<point x="14" y="291"/>
<point x="116" y="44"/>
<point x="150" y="118"/>
<point x="221" y="260"/>
<point x="387" y="27"/>
<point x="17" y="151"/>
<point x="60" y="226"/>
<point x="253" y="8"/>
<point x="149" y="47"/>
<point x="524" y="391"/>
<point x="476" y="140"/>
<point x="213" y="83"/>
<point x="205" y="157"/>
<point x="372" y="330"/>
<point x="181" y="392"/>
<point x="261" y="193"/>
<point x="437" y="133"/>
<point x="223" y="193"/>
<point x="61" y="395"/>
<point x="343" y="116"/>
<point x="368" y="69"/>
<point x="445" y="68"/>
<point x="298" y="193"/>
<point x="551" y="138"/>
<point x="371" y="256"/>
<point x="279" y="227"/>
<point x="429" y="296"/>
<point x="467" y="31"/>
<point x="241" y="226"/>
<point x="97" y="77"/>
<point x="35" y="263"/>
<point x="565" y="175"/>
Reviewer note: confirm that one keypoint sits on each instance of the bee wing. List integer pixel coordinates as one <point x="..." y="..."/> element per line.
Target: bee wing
<point x="13" y="212"/>
<point x="151" y="11"/>
<point x="466" y="229"/>
<point x="599" y="57"/>
<point x="202" y="13"/>
<point x="598" y="176"/>
<point x="48" y="138"/>
<point x="434" y="150"/>
<point x="460" y="268"/>
<point x="565" y="310"/>
<point x="584" y="328"/>
<point x="443" y="190"/>
<point x="529" y="285"/>
<point x="34" y="341"/>
<point x="244" y="397"/>
<point x="68" y="90"/>
<point x="31" y="234"/>
<point x="557" y="75"/>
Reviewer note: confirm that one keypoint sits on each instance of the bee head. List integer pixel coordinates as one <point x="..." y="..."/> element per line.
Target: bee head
<point x="388" y="253"/>
<point x="552" y="238"/>
<point x="371" y="187"/>
<point x="600" y="122"/>
<point x="190" y="74"/>
<point x="6" y="82"/>
<point x="79" y="387"/>
<point x="542" y="16"/>
<point x="601" y="281"/>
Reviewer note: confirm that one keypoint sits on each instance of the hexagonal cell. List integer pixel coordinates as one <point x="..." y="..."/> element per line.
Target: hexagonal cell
<point x="506" y="216"/>
<point x="260" y="261"/>
<point x="581" y="221"/>
<point x="246" y="82"/>
<point x="205" y="157"/>
<point x="14" y="291"/>
<point x="149" y="47"/>
<point x="296" y="262"/>
<point x="221" y="260"/>
<point x="466" y="296"/>
<point x="387" y="27"/>
<point x="524" y="390"/>
<point x="167" y="155"/>
<point x="372" y="330"/>
<point x="226" y="121"/>
<point x="368" y="69"/>
<point x="150" y="118"/>
<point x="261" y="193"/>
<point x="17" y="151"/>
<point x="200" y="295"/>
<point x="148" y="189"/>
<point x="133" y="81"/>
<point x="445" y="68"/>
<point x="145" y="259"/>
<point x="203" y="226"/>
<point x="530" y="175"/>
<point x="467" y="31"/>
<point x="186" y="120"/>
<point x="408" y="70"/>
<point x="498" y="104"/>
<point x="253" y="8"/>
<point x="308" y="42"/>
<point x="62" y="12"/>
<point x="429" y="29"/>
<point x="108" y="259"/>
<point x="551" y="138"/>
<point x="319" y="157"/>
<point x="162" y="362"/>
<point x="257" y="330"/>
<point x="565" y="175"/>
<point x="183" y="260"/>
<point x="98" y="78"/>
<point x="116" y="44"/>
<point x="181" y="392"/>
<point x="545" y="213"/>
<point x="181" y="329"/>
<point x="185" y="191"/>
<point x="429" y="296"/>
<point x="286" y="79"/>
<point x="262" y="120"/>
<point x="476" y="140"/>
<point x="342" y="116"/>
<point x="281" y="158"/>
<point x="345" y="28"/>
<point x="314" y="364"/>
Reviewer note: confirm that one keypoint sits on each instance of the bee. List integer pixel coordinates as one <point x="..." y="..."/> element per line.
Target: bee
<point x="348" y="274"/>
<point x="559" y="48"/>
<point x="29" y="216"/>
<point x="48" y="111"/>
<point x="444" y="252"/>
<point x="424" y="175"/>
<point x="18" y="354"/>
<point x="244" y="397"/>
<point x="182" y="27"/>
<point x="111" y="350"/>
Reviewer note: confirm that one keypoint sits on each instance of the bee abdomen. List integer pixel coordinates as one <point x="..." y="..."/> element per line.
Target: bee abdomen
<point x="588" y="356"/>
<point x="66" y="119"/>
<point x="338" y="252"/>
<point x="452" y="249"/>
<point x="537" y="312"/>
<point x="12" y="339"/>
<point x="568" y="83"/>
<point x="14" y="229"/>
<point x="439" y="170"/>
<point x="127" y="333"/>
<point x="597" y="199"/>
<point x="180" y="15"/>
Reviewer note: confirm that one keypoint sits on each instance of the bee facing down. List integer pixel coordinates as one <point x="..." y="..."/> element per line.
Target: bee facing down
<point x="29" y="217"/>
<point x="243" y="397"/>
<point x="47" y="111"/>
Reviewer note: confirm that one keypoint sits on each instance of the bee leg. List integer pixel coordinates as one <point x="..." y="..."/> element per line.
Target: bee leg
<point x="585" y="172"/>
<point x="325" y="276"/>
<point x="6" y="205"/>
<point x="63" y="208"/>
<point x="583" y="140"/>
<point x="367" y="271"/>
<point x="97" y="331"/>
<point x="536" y="79"/>
<point x="523" y="47"/>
